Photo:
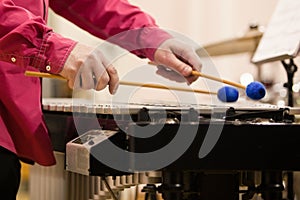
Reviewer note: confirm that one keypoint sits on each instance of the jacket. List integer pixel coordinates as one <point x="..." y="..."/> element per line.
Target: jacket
<point x="27" y="43"/>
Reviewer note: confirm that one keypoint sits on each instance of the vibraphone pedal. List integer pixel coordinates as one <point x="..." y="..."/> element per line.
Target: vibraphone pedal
<point x="150" y="192"/>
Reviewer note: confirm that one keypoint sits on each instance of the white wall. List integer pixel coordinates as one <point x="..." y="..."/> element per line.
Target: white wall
<point x="207" y="21"/>
<point x="204" y="21"/>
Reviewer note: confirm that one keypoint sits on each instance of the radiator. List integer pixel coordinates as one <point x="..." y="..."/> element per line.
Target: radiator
<point x="55" y="183"/>
<point x="48" y="183"/>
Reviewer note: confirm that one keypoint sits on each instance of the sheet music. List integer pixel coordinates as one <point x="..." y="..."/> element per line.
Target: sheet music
<point x="282" y="37"/>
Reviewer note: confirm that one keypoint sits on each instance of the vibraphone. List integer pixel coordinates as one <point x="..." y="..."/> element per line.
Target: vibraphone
<point x="260" y="141"/>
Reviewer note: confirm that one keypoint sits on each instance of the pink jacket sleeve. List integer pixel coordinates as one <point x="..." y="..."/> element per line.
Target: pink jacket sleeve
<point x="111" y="20"/>
<point x="25" y="40"/>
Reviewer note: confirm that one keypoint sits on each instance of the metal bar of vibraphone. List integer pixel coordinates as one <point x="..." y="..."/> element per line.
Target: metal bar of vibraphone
<point x="122" y="111"/>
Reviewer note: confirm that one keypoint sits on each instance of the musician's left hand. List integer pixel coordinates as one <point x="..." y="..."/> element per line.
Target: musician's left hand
<point x="179" y="59"/>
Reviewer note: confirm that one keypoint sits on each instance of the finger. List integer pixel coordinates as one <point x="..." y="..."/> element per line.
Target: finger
<point x="102" y="80"/>
<point x="186" y="54"/>
<point x="193" y="60"/>
<point x="99" y="74"/>
<point x="70" y="77"/>
<point x="170" y="74"/>
<point x="170" y="60"/>
<point x="102" y="76"/>
<point x="114" y="79"/>
<point x="87" y="79"/>
<point x="189" y="57"/>
<point x="70" y="84"/>
<point x="75" y="81"/>
<point x="191" y="79"/>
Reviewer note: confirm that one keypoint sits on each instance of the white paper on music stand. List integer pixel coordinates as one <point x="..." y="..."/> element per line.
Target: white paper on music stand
<point x="281" y="39"/>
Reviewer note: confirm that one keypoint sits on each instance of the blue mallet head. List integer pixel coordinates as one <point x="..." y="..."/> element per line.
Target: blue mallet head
<point x="255" y="90"/>
<point x="228" y="94"/>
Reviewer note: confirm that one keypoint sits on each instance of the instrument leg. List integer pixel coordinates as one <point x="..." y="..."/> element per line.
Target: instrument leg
<point x="249" y="179"/>
<point x="271" y="185"/>
<point x="172" y="185"/>
<point x="150" y="192"/>
<point x="220" y="186"/>
<point x="290" y="185"/>
<point x="199" y="186"/>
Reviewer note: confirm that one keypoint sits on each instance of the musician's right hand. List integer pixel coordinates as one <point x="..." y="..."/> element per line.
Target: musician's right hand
<point x="179" y="59"/>
<point x="87" y="68"/>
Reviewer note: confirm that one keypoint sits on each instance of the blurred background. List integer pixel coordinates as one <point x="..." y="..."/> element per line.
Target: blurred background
<point x="206" y="23"/>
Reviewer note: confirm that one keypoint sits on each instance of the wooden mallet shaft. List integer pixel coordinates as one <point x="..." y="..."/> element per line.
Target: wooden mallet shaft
<point x="200" y="74"/>
<point x="238" y="85"/>
<point x="128" y="83"/>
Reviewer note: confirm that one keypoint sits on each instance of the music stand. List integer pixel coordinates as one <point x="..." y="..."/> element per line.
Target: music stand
<point x="281" y="41"/>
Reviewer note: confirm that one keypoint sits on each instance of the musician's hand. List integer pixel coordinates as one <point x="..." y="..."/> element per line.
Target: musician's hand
<point x="87" y="68"/>
<point x="179" y="57"/>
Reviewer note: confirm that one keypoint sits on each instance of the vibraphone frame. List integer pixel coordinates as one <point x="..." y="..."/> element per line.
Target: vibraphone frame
<point x="243" y="148"/>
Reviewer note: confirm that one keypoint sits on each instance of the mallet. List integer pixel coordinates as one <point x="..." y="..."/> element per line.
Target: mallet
<point x="255" y="90"/>
<point x="225" y="94"/>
